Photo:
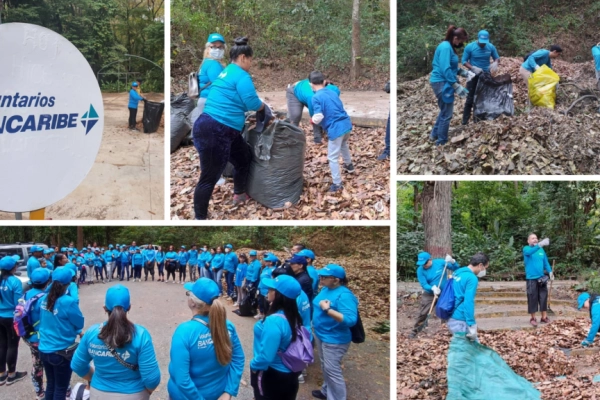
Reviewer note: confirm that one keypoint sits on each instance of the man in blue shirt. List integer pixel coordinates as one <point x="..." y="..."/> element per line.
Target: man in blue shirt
<point x="33" y="263"/>
<point x="430" y="273"/>
<point x="591" y="303"/>
<point x="330" y="114"/>
<point x="134" y="99"/>
<point x="476" y="57"/>
<point x="535" y="60"/>
<point x="536" y="262"/>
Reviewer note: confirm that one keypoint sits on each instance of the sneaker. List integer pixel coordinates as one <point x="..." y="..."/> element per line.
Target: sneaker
<point x="318" y="395"/>
<point x="258" y="316"/>
<point x="383" y="156"/>
<point x="545" y="320"/>
<point x="336" y="188"/>
<point x="146" y="279"/>
<point x="18" y="376"/>
<point x="349" y="168"/>
<point x="40" y="397"/>
<point x="240" y="198"/>
<point x="3" y="379"/>
<point x="533" y="322"/>
<point x="412" y="335"/>
<point x="432" y="139"/>
<point x="301" y="379"/>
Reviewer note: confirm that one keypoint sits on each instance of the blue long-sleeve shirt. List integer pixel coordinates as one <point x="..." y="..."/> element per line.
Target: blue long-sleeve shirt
<point x="266" y="273"/>
<point x="195" y="373"/>
<point x="271" y="336"/>
<point x="59" y="327"/>
<point x="596" y="55"/>
<point x="32" y="264"/>
<point x="465" y="290"/>
<point x="182" y="257"/>
<point x="149" y="255"/>
<point x="595" y="313"/>
<point x="171" y="256"/>
<point x="253" y="271"/>
<point x="134" y="99"/>
<point x="304" y="93"/>
<point x="230" y="262"/>
<point x="217" y="261"/>
<point x="335" y="119"/>
<point x="445" y="64"/>
<point x="312" y="272"/>
<point x="327" y="329"/>
<point x="304" y="309"/>
<point x="431" y="276"/>
<point x="535" y="262"/>
<point x="125" y="257"/>
<point x="137" y="259"/>
<point x="540" y="57"/>
<point x="193" y="257"/>
<point x="240" y="274"/>
<point x="209" y="72"/>
<point x="11" y="291"/>
<point x="109" y="374"/>
<point x="159" y="256"/>
<point x="108" y="256"/>
<point x="478" y="56"/>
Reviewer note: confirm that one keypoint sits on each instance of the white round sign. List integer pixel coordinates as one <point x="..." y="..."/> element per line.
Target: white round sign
<point x="51" y="117"/>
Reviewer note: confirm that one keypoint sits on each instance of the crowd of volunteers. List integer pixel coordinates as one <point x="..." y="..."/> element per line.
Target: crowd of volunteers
<point x="300" y="308"/>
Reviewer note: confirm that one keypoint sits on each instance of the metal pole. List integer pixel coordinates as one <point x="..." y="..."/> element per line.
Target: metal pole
<point x="131" y="55"/>
<point x="19" y="216"/>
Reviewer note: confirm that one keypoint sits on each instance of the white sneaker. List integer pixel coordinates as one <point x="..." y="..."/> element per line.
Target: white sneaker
<point x="301" y="378"/>
<point x="258" y="316"/>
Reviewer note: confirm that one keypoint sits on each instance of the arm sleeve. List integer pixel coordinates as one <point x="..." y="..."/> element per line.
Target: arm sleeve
<point x="236" y="368"/>
<point x="180" y="370"/>
<point x="136" y="95"/>
<point x="268" y="345"/>
<point x="445" y="57"/>
<point x="495" y="54"/>
<point x="466" y="55"/>
<point x="529" y="250"/>
<point x="317" y="108"/>
<point x="74" y="291"/>
<point x="453" y="267"/>
<point x="149" y="370"/>
<point x="213" y="71"/>
<point x="595" y="324"/>
<point x="80" y="364"/>
<point x="530" y="63"/>
<point x="469" y="301"/>
<point x="17" y="291"/>
<point x="422" y="280"/>
<point x="248" y="94"/>
<point x="334" y="88"/>
<point x="347" y="305"/>
<point x="76" y="317"/>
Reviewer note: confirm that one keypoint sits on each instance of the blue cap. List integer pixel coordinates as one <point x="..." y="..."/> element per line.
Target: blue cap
<point x="334" y="270"/>
<point x="252" y="253"/>
<point x="228" y="246"/>
<point x="117" y="295"/>
<point x="182" y="246"/>
<point x="110" y="246"/>
<point x="72" y="267"/>
<point x="40" y="275"/>
<point x="284" y="284"/>
<point x="271" y="258"/>
<point x="9" y="262"/>
<point x="48" y="251"/>
<point x="63" y="249"/>
<point x="582" y="299"/>
<point x="483" y="37"/>
<point x="34" y="249"/>
<point x="134" y="84"/>
<point x="423" y="257"/>
<point x="205" y="289"/>
<point x="62" y="275"/>
<point x="298" y="260"/>
<point x="215" y="37"/>
<point x="306" y="253"/>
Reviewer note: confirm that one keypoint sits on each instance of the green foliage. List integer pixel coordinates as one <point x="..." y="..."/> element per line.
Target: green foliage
<point x="382" y="327"/>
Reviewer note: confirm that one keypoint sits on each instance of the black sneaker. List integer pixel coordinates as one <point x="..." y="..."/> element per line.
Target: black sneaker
<point x="18" y="376"/>
<point x="349" y="168"/>
<point x="318" y="395"/>
<point x="335" y="188"/>
<point x="3" y="379"/>
<point x="318" y="141"/>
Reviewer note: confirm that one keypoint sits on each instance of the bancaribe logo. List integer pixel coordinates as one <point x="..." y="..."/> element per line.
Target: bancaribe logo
<point x="89" y="119"/>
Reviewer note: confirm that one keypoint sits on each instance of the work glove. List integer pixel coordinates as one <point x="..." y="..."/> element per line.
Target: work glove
<point x="537" y="67"/>
<point x="436" y="290"/>
<point x="470" y="75"/>
<point x="585" y="343"/>
<point x="449" y="259"/>
<point x="476" y="70"/>
<point x="544" y="242"/>
<point x="461" y="91"/>
<point x="472" y="333"/>
<point x="551" y="276"/>
<point x="494" y="67"/>
<point x="463" y="73"/>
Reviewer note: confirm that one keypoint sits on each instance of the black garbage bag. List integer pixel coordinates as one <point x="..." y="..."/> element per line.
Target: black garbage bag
<point x="493" y="97"/>
<point x="181" y="108"/>
<point x="248" y="305"/>
<point x="277" y="168"/>
<point x="153" y="112"/>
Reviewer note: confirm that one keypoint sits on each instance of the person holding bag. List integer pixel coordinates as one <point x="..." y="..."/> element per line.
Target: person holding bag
<point x="61" y="321"/>
<point x="125" y="365"/>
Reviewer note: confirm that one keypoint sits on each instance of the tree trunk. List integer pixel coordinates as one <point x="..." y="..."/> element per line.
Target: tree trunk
<point x="80" y="237"/>
<point x="355" y="71"/>
<point x="436" y="197"/>
<point x="416" y="205"/>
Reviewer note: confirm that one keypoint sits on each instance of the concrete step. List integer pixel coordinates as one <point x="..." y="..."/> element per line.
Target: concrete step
<point x="511" y="323"/>
<point x="518" y="300"/>
<point x="503" y="311"/>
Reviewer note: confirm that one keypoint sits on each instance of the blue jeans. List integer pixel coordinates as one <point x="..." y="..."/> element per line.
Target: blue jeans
<point x="442" y="124"/>
<point x="58" y="375"/>
<point x="206" y="273"/>
<point x="218" y="274"/>
<point x="229" y="280"/>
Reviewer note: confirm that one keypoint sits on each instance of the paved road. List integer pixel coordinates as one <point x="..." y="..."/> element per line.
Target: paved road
<point x="160" y="307"/>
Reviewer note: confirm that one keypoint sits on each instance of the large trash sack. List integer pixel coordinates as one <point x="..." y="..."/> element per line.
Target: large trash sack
<point x="181" y="108"/>
<point x="493" y="97"/>
<point x="477" y="372"/>
<point x="277" y="168"/>
<point x="542" y="87"/>
<point x="153" y="112"/>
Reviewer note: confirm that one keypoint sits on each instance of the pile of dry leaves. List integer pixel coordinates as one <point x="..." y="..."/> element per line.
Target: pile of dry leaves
<point x="542" y="142"/>
<point x="535" y="355"/>
<point x="366" y="193"/>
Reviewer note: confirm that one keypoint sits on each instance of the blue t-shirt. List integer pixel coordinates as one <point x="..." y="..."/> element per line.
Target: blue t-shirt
<point x="231" y="96"/>
<point x="304" y="93"/>
<point x="134" y="99"/>
<point x="540" y="57"/>
<point x="171" y="256"/>
<point x="431" y="276"/>
<point x="327" y="329"/>
<point x="108" y="256"/>
<point x="125" y="257"/>
<point x="271" y="336"/>
<point x="536" y="261"/>
<point x="209" y="72"/>
<point x="335" y="119"/>
<point x="217" y="261"/>
<point x="240" y="274"/>
<point x="596" y="55"/>
<point x="59" y="327"/>
<point x="478" y="56"/>
<point x="253" y="271"/>
<point x="109" y="374"/>
<point x="230" y="262"/>
<point x="445" y="64"/>
<point x="11" y="291"/>
<point x="195" y="372"/>
<point x="193" y="254"/>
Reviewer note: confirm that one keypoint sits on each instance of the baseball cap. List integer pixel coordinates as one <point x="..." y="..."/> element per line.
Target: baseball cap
<point x="215" y="37"/>
<point x="423" y="257"/>
<point x="284" y="284"/>
<point x="110" y="246"/>
<point x="306" y="253"/>
<point x="62" y="275"/>
<point x="483" y="37"/>
<point x="183" y="247"/>
<point x="582" y="299"/>
<point x="271" y="258"/>
<point x="252" y="252"/>
<point x="48" y="251"/>
<point x="34" y="249"/>
<point x="134" y="84"/>
<point x="40" y="275"/>
<point x="298" y="260"/>
<point x="205" y="289"/>
<point x="63" y="249"/>
<point x="334" y="270"/>
<point x="9" y="262"/>
<point x="228" y="246"/>
<point x="117" y="295"/>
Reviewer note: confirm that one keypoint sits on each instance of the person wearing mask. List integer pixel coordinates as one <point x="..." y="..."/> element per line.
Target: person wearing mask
<point x="269" y="377"/>
<point x="137" y="263"/>
<point x="11" y="291"/>
<point x="204" y="263"/>
<point x="182" y="259"/>
<point x="444" y="81"/>
<point x="39" y="280"/>
<point x="61" y="321"/>
<point x="218" y="131"/>
<point x="300" y="95"/>
<point x="134" y="99"/>
<point x="240" y="275"/>
<point x="216" y="266"/>
<point x="125" y="263"/>
<point x="330" y="114"/>
<point x="429" y="273"/>
<point x="193" y="262"/>
<point x="465" y="290"/>
<point x="536" y="261"/>
<point x="149" y="259"/>
<point x="535" y="60"/>
<point x="207" y="359"/>
<point x="263" y="290"/>
<point x="48" y="255"/>
<point x="211" y="66"/>
<point x="117" y="262"/>
<point x="160" y="263"/>
<point x="252" y="272"/>
<point x="125" y="365"/>
<point x="298" y="264"/>
<point x="476" y="57"/>
<point x="109" y="259"/>
<point x="35" y="252"/>
<point x="591" y="303"/>
<point x="312" y="271"/>
<point x="171" y="262"/>
<point x="335" y="312"/>
<point x="230" y="263"/>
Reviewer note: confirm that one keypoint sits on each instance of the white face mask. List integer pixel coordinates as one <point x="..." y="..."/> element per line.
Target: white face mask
<point x="227" y="250"/>
<point x="482" y="273"/>
<point x="217" y="54"/>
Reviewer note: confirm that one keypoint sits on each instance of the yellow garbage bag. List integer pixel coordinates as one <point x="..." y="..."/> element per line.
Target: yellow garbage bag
<point x="542" y="87"/>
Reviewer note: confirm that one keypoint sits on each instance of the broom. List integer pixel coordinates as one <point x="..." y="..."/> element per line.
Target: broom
<point x="549" y="311"/>
<point x="424" y="324"/>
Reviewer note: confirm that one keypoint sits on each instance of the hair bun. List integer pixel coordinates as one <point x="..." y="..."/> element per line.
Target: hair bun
<point x="241" y="41"/>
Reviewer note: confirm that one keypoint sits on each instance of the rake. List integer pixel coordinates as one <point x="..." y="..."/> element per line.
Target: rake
<point x="435" y="296"/>
<point x="549" y="311"/>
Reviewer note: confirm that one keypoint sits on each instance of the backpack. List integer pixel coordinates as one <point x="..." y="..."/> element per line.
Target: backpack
<point x="21" y="320"/>
<point x="248" y="304"/>
<point x="79" y="392"/>
<point x="300" y="352"/>
<point x="358" y="331"/>
<point x="193" y="91"/>
<point x="445" y="305"/>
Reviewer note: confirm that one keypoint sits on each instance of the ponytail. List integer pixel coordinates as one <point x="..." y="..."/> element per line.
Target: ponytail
<point x="453" y="32"/>
<point x="118" y="331"/>
<point x="217" y="320"/>
<point x="57" y="290"/>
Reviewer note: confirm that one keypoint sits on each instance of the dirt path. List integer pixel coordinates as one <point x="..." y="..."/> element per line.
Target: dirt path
<point x="127" y="179"/>
<point x="161" y="307"/>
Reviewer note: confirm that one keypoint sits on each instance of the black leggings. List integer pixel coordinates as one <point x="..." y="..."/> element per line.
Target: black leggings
<point x="171" y="270"/>
<point x="149" y="268"/>
<point x="161" y="269"/>
<point x="101" y="272"/>
<point x="182" y="272"/>
<point x="132" y="117"/>
<point x="275" y="385"/>
<point x="9" y="345"/>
